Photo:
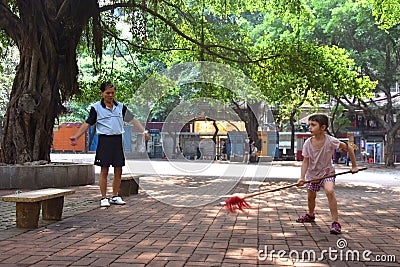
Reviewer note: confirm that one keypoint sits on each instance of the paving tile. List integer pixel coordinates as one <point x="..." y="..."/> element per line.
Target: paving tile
<point x="146" y="232"/>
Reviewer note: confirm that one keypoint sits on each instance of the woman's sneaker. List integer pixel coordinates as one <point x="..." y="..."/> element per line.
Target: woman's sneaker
<point x="104" y="202"/>
<point x="117" y="201"/>
<point x="306" y="218"/>
<point x="336" y="228"/>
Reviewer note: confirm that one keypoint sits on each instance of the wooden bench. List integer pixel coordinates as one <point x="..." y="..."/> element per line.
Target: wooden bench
<point x="129" y="185"/>
<point x="28" y="205"/>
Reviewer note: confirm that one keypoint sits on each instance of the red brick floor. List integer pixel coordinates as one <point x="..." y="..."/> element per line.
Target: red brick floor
<point x="146" y="232"/>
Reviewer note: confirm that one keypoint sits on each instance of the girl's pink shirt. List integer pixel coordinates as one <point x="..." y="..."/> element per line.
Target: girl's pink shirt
<point x="320" y="159"/>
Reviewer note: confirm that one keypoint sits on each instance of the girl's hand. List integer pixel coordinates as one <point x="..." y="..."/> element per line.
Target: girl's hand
<point x="300" y="182"/>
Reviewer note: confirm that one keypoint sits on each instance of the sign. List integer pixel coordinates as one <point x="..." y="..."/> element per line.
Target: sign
<point x="356" y="133"/>
<point x="223" y="126"/>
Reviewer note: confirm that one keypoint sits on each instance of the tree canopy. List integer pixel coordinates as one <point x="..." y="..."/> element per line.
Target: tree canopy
<point x="272" y="42"/>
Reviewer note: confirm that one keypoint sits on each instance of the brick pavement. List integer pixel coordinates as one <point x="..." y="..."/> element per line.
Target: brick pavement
<point x="146" y="232"/>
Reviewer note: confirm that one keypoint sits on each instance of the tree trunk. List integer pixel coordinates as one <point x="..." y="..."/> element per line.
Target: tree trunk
<point x="30" y="115"/>
<point x="293" y="134"/>
<point x="252" y="126"/>
<point x="47" y="37"/>
<point x="250" y="119"/>
<point x="389" y="159"/>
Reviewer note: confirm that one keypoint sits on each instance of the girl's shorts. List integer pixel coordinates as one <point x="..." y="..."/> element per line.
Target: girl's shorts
<point x="315" y="187"/>
<point x="110" y="151"/>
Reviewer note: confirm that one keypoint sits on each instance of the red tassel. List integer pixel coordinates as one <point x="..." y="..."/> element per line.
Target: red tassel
<point x="236" y="203"/>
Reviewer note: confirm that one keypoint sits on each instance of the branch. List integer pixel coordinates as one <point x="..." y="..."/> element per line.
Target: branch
<point x="372" y="112"/>
<point x="132" y="61"/>
<point x="129" y="43"/>
<point x="182" y="14"/>
<point x="206" y="47"/>
<point x="63" y="9"/>
<point x="10" y="23"/>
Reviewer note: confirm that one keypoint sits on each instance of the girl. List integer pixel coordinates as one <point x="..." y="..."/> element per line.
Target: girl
<point x="318" y="151"/>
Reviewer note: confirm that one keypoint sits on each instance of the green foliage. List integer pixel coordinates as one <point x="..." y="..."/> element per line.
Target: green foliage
<point x="75" y="112"/>
<point x="301" y="72"/>
<point x="292" y="70"/>
<point x="386" y="13"/>
<point x="340" y="121"/>
<point x="375" y="50"/>
<point x="296" y="70"/>
<point x="9" y="56"/>
<point x="310" y="71"/>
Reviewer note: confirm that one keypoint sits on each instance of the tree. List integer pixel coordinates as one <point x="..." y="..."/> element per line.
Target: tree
<point x="339" y="121"/>
<point x="47" y="33"/>
<point x="377" y="52"/>
<point x="305" y="72"/>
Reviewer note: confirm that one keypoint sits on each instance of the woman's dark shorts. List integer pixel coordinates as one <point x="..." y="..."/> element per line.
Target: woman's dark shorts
<point x="110" y="151"/>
